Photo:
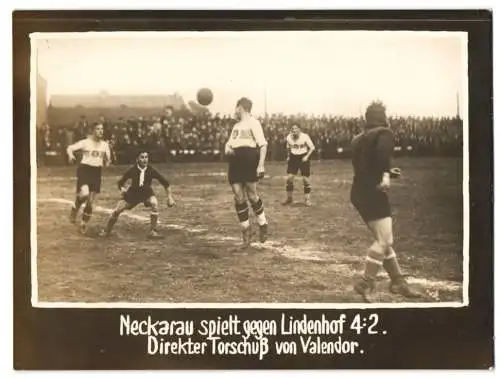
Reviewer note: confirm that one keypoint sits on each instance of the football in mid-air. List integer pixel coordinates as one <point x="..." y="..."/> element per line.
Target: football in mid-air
<point x="204" y="96"/>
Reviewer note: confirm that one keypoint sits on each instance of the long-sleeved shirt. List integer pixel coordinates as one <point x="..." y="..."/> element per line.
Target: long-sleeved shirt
<point x="371" y="155"/>
<point x="134" y="174"/>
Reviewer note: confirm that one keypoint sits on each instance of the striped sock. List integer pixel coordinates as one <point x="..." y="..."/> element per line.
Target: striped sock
<point x="242" y="213"/>
<point x="258" y="208"/>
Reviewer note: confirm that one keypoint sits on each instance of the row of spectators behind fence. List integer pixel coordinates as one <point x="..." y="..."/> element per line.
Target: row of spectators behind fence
<point x="202" y="137"/>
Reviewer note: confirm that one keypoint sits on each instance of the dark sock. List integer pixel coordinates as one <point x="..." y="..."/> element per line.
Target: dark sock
<point x="307" y="189"/>
<point x="258" y="209"/>
<point x="154" y="220"/>
<point x="289" y="189"/>
<point x="111" y="222"/>
<point x="391" y="265"/>
<point x="242" y="213"/>
<point x="87" y="213"/>
<point x="374" y="261"/>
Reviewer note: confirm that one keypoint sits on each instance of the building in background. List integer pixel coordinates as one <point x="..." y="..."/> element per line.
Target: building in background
<point x="105" y="100"/>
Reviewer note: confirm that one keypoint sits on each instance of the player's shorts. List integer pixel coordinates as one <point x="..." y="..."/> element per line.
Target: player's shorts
<point x="295" y="165"/>
<point x="371" y="203"/>
<point x="243" y="165"/>
<point x="90" y="176"/>
<point x="135" y="196"/>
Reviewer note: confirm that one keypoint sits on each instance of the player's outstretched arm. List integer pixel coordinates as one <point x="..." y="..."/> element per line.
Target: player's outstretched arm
<point x="170" y="198"/>
<point x="156" y="175"/>
<point x="165" y="183"/>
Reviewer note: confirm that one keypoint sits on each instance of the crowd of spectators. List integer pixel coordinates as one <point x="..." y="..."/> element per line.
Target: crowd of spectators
<point x="174" y="137"/>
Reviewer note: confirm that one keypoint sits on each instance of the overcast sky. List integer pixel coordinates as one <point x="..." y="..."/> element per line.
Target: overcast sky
<point x="414" y="73"/>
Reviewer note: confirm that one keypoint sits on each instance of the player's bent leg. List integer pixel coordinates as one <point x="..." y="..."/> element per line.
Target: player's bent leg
<point x="87" y="213"/>
<point x="241" y="207"/>
<point x="119" y="209"/>
<point x="289" y="189"/>
<point x="152" y="203"/>
<point x="373" y="263"/>
<point x="307" y="190"/>
<point x="87" y="210"/>
<point x="398" y="283"/>
<point x="81" y="197"/>
<point x="382" y="229"/>
<point x="258" y="209"/>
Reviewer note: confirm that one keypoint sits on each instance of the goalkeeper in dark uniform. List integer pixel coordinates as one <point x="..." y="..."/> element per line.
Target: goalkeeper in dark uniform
<point x="141" y="176"/>
<point x="372" y="151"/>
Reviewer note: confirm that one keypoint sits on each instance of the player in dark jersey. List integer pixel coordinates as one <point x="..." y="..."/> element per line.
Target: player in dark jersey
<point x="372" y="150"/>
<point x="140" y="191"/>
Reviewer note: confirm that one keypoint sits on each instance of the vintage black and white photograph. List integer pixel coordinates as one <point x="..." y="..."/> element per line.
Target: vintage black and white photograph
<point x="290" y="169"/>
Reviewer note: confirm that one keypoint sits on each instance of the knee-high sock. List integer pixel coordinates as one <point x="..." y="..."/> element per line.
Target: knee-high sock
<point x="391" y="265"/>
<point x="242" y="213"/>
<point x="289" y="189"/>
<point x="87" y="213"/>
<point x="307" y="190"/>
<point x="258" y="209"/>
<point x="154" y="219"/>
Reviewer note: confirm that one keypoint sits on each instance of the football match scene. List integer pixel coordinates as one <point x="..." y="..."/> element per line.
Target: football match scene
<point x="270" y="168"/>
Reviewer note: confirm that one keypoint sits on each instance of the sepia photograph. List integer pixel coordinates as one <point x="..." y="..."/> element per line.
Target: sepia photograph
<point x="269" y="169"/>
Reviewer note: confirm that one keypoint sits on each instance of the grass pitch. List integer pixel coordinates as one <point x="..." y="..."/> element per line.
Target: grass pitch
<point x="313" y="255"/>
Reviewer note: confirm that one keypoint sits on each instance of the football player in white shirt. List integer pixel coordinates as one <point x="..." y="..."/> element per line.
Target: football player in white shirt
<point x="246" y="150"/>
<point x="95" y="154"/>
<point x="299" y="148"/>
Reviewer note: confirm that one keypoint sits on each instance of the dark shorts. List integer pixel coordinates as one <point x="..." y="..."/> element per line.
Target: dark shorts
<point x="371" y="203"/>
<point x="134" y="196"/>
<point x="243" y="165"/>
<point x="295" y="165"/>
<point x="90" y="176"/>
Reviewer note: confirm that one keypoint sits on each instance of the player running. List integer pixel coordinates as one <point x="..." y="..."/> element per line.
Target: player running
<point x="372" y="150"/>
<point x="299" y="149"/>
<point x="246" y="150"/>
<point x="140" y="191"/>
<point x="95" y="154"/>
